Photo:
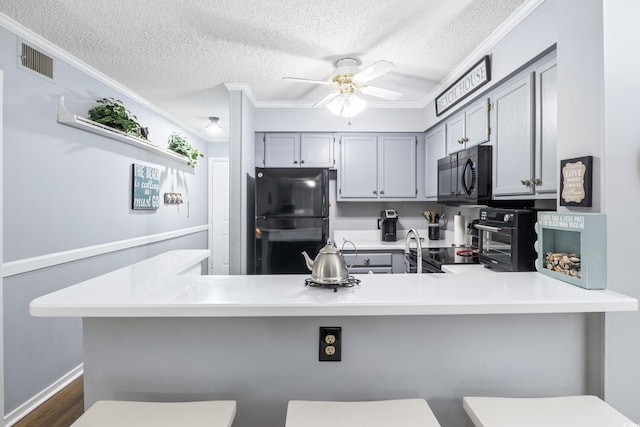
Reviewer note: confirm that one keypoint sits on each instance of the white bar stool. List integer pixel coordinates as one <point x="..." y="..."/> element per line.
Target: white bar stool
<point x="382" y="413"/>
<point x="564" y="411"/>
<point x="110" y="413"/>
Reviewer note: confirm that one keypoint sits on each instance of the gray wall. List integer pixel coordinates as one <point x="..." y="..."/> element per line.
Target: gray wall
<point x="621" y="199"/>
<point x="67" y="189"/>
<point x="264" y="362"/>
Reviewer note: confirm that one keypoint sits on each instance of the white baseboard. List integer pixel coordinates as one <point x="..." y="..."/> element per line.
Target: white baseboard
<point x="12" y="268"/>
<point x="37" y="400"/>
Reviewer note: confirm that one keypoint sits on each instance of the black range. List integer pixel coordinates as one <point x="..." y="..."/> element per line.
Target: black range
<point x="434" y="258"/>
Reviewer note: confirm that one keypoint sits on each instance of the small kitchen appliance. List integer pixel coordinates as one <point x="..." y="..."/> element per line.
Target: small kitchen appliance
<point x="329" y="268"/>
<point x="506" y="239"/>
<point x="389" y="220"/>
<point x="465" y="177"/>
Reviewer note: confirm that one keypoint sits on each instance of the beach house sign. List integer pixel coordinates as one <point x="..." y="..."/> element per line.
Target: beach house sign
<point x="472" y="80"/>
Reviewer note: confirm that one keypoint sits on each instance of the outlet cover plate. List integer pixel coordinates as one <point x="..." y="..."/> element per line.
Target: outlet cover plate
<point x="330" y="348"/>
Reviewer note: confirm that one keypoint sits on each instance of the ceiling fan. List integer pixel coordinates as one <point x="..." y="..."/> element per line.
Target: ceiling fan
<point x="350" y="81"/>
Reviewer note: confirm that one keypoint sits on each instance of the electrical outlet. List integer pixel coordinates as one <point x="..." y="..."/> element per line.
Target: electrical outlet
<point x="330" y="344"/>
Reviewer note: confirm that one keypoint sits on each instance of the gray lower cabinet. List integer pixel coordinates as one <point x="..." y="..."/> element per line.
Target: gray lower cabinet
<point x="375" y="262"/>
<point x="374" y="167"/>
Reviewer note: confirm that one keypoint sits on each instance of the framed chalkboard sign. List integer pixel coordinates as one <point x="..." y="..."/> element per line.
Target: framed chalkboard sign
<point x="146" y="188"/>
<point x="576" y="179"/>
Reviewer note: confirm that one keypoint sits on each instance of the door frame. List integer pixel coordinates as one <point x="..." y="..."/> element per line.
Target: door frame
<point x="210" y="235"/>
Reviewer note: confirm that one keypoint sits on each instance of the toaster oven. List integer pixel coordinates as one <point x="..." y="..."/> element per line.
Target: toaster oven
<point x="506" y="239"/>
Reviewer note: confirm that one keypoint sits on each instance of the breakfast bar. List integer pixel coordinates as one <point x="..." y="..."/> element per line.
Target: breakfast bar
<point x="152" y="333"/>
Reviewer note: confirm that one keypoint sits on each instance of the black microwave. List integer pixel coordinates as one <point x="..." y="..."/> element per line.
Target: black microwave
<point x="465" y="177"/>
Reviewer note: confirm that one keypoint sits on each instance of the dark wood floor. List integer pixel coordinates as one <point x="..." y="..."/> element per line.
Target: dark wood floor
<point x="61" y="410"/>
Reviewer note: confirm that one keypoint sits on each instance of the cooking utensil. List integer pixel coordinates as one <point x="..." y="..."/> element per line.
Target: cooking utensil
<point x="329" y="266"/>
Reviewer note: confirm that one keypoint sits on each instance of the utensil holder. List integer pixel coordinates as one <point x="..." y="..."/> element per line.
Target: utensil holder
<point x="434" y="231"/>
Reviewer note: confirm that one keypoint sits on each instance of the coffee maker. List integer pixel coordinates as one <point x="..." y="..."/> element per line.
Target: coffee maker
<point x="389" y="220"/>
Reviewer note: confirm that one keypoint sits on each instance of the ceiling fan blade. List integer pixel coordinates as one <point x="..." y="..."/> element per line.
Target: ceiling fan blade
<point x="379" y="92"/>
<point x="376" y="70"/>
<point x="296" y="79"/>
<point x="327" y="99"/>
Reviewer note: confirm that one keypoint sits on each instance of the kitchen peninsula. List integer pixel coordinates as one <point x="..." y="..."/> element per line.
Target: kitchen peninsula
<point x="150" y="334"/>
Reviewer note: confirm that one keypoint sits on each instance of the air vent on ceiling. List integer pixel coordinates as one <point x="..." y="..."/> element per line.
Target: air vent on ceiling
<point x="36" y="61"/>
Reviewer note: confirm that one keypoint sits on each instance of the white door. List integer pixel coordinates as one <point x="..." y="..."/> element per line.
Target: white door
<point x="219" y="226"/>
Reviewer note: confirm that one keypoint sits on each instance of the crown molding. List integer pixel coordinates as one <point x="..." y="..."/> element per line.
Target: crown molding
<point x="245" y="88"/>
<point x="376" y="105"/>
<point x="483" y="48"/>
<point x="55" y="50"/>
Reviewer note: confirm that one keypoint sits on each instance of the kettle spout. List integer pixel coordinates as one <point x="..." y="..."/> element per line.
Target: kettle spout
<point x="308" y="260"/>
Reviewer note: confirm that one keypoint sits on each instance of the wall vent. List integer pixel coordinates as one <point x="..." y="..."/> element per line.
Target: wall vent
<point x="36" y="61"/>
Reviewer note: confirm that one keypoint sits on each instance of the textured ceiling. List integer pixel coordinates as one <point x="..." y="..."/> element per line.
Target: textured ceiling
<point x="179" y="54"/>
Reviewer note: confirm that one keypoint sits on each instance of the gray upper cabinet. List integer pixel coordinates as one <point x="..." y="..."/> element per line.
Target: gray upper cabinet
<point x="513" y="137"/>
<point x="358" y="173"/>
<point x="436" y="149"/>
<point x="525" y="132"/>
<point x="377" y="167"/>
<point x="298" y="150"/>
<point x="397" y="166"/>
<point x="545" y="179"/>
<point x="469" y="127"/>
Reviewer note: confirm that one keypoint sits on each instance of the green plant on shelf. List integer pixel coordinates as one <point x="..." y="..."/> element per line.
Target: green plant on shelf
<point x="111" y="112"/>
<point x="180" y="144"/>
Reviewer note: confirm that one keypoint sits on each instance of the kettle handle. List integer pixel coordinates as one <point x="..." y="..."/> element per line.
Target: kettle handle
<point x="354" y="248"/>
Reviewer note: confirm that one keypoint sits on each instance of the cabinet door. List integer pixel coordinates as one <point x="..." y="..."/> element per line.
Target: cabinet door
<point x="455" y="133"/>
<point x="513" y="142"/>
<point x="357" y="177"/>
<point x="282" y="150"/>
<point x="546" y="128"/>
<point x="477" y="123"/>
<point x="436" y="149"/>
<point x="397" y="166"/>
<point x="316" y="151"/>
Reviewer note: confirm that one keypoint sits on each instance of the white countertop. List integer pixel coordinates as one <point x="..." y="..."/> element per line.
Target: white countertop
<point x="370" y="240"/>
<point x="150" y="289"/>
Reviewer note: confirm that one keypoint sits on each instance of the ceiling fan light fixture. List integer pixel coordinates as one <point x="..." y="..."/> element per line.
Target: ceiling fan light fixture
<point x="347" y="105"/>
<point x="214" y="125"/>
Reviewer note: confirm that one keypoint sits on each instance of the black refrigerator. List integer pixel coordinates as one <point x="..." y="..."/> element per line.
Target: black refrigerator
<point x="292" y="215"/>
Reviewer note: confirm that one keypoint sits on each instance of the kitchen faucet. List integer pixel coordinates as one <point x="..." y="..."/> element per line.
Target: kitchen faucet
<point x="407" y="245"/>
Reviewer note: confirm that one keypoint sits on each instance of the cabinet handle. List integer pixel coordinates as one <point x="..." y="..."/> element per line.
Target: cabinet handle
<point x="375" y="192"/>
<point x="295" y="162"/>
<point x="381" y="191"/>
<point x="536" y="181"/>
<point x="465" y="139"/>
<point x="460" y="141"/>
<point x="301" y="161"/>
<point x="367" y="261"/>
<point x="526" y="182"/>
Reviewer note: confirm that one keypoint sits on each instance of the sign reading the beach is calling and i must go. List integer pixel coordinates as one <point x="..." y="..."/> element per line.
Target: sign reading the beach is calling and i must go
<point x="472" y="80"/>
<point x="146" y="187"/>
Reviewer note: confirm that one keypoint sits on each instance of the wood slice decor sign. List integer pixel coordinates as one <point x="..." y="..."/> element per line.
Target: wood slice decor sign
<point x="146" y="188"/>
<point x="576" y="181"/>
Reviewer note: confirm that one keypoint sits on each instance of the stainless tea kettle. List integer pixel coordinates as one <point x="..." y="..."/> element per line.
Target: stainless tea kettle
<point x="329" y="267"/>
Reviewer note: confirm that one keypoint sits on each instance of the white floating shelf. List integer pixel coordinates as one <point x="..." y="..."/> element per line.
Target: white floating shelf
<point x="68" y="118"/>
